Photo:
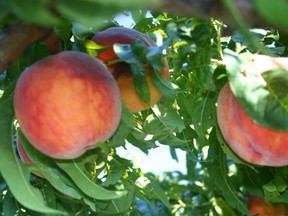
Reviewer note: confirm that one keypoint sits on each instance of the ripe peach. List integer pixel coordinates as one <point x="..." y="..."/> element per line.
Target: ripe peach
<point x="67" y="102"/>
<point x="122" y="72"/>
<point x="264" y="208"/>
<point x="252" y="142"/>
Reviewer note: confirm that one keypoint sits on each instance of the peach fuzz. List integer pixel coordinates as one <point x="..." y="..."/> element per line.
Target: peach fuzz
<point x="66" y="103"/>
<point x="122" y="72"/>
<point x="252" y="142"/>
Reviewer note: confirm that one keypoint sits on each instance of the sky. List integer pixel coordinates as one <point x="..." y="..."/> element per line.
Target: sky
<point x="157" y="161"/>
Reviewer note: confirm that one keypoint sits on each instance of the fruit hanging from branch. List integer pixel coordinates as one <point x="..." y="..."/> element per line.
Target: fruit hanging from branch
<point x="252" y="142"/>
<point x="66" y="103"/>
<point x="122" y="70"/>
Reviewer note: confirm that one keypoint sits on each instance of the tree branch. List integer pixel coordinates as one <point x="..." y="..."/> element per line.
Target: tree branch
<point x="15" y="39"/>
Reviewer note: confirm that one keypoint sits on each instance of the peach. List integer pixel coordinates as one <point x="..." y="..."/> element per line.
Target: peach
<point x="265" y="208"/>
<point x="121" y="70"/>
<point x="252" y="142"/>
<point x="66" y="103"/>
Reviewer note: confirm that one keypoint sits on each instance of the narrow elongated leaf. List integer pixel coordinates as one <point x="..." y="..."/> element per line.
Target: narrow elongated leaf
<point x="226" y="210"/>
<point x="114" y="173"/>
<point x="140" y="82"/>
<point x="13" y="171"/>
<point x="124" y="128"/>
<point x="4" y="10"/>
<point x="60" y="183"/>
<point x="125" y="53"/>
<point x="45" y="167"/>
<point x="201" y="109"/>
<point x="276" y="111"/>
<point x="154" y="126"/>
<point x="155" y="57"/>
<point x="152" y="188"/>
<point x="81" y="32"/>
<point x="138" y="139"/>
<point x="134" y="55"/>
<point x="94" y="12"/>
<point x="174" y="141"/>
<point x="218" y="171"/>
<point x="34" y="11"/>
<point x="172" y="120"/>
<point x="85" y="184"/>
<point x="268" y="9"/>
<point x="9" y="205"/>
<point x="121" y="205"/>
<point x="165" y="87"/>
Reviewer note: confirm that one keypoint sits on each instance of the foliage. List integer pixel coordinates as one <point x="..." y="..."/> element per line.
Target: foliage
<point x="101" y="182"/>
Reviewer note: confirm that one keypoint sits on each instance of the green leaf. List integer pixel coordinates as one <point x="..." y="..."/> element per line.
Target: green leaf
<point x="124" y="128"/>
<point x="125" y="52"/>
<point x="9" y="205"/>
<point x="144" y="24"/>
<point x="166" y="88"/>
<point x="61" y="182"/>
<point x="258" y="34"/>
<point x="140" y="82"/>
<point x="4" y="10"/>
<point x="274" y="188"/>
<point x="203" y="69"/>
<point x="82" y="32"/>
<point x="276" y="111"/>
<point x="114" y="173"/>
<point x="172" y="120"/>
<point x="33" y="11"/>
<point x="85" y="184"/>
<point x="88" y="13"/>
<point x="274" y="12"/>
<point x="263" y="96"/>
<point x="118" y="206"/>
<point x="137" y="138"/>
<point x="155" y="57"/>
<point x="49" y="194"/>
<point x="13" y="171"/>
<point x="153" y="125"/>
<point x="253" y="181"/>
<point x="218" y="171"/>
<point x="174" y="141"/>
<point x="270" y="191"/>
<point x="94" y="13"/>
<point x="202" y="111"/>
<point x="64" y="31"/>
<point x="152" y="189"/>
<point x="225" y="209"/>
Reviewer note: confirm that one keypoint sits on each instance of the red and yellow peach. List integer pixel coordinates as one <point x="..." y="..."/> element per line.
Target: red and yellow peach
<point x="66" y="103"/>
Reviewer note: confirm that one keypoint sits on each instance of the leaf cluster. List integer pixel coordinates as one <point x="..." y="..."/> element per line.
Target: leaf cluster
<point x="101" y="182"/>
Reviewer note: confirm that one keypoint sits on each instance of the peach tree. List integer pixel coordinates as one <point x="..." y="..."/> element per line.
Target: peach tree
<point x="202" y="55"/>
